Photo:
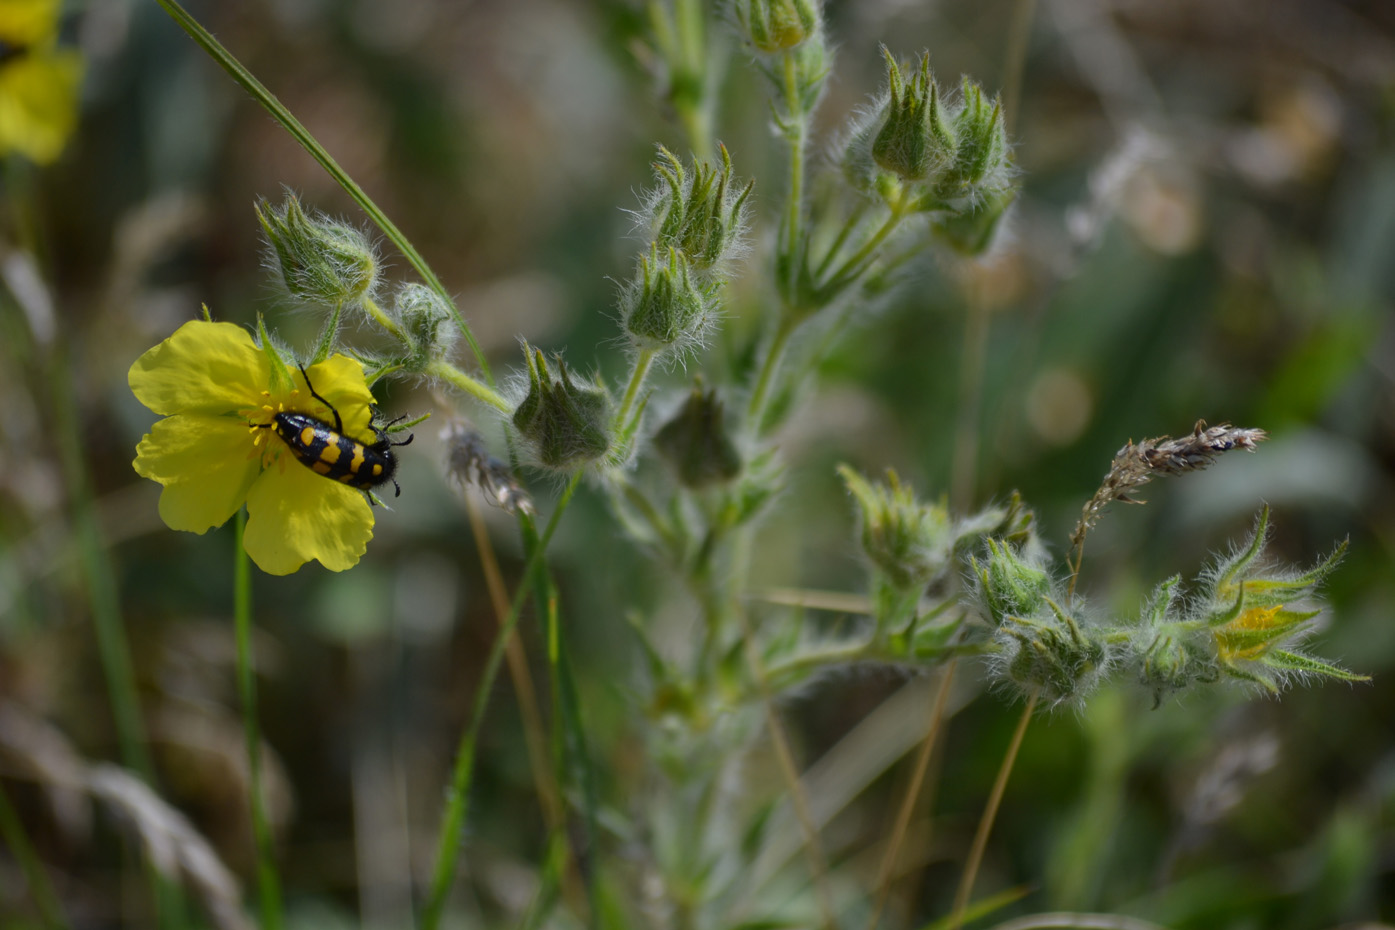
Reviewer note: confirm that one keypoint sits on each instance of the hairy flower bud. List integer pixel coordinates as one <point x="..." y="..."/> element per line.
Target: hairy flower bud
<point x="973" y="230"/>
<point x="565" y="424"/>
<point x="1010" y="585"/>
<point x="1052" y="654"/>
<point x="696" y="442"/>
<point x="916" y="140"/>
<point x="981" y="158"/>
<point x="907" y="540"/>
<point x="427" y="319"/>
<point x="320" y="259"/>
<point x="776" y="25"/>
<point x="663" y="306"/>
<point x="701" y="214"/>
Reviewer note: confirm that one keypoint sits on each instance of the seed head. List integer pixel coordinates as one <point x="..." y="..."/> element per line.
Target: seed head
<point x="916" y="140"/>
<point x="696" y="441"/>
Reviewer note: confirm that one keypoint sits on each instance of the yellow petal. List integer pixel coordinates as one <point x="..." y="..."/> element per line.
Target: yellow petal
<point x="25" y="22"/>
<point x="295" y="515"/>
<point x="38" y="103"/>
<point x="339" y="380"/>
<point x="203" y="463"/>
<point x="209" y="368"/>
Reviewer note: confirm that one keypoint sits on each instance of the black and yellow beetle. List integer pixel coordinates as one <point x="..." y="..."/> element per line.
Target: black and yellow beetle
<point x="325" y="450"/>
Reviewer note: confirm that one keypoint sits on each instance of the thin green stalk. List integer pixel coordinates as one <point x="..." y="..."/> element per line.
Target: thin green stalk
<point x="692" y="44"/>
<point x="386" y="322"/>
<point x="854" y="217"/>
<point x="268" y="881"/>
<point x="755" y="410"/>
<point x="794" y="207"/>
<point x="12" y="830"/>
<point x="302" y="135"/>
<point x="453" y="819"/>
<point x="856" y="263"/>
<point x="903" y="819"/>
<point x="643" y="361"/>
<point x="457" y="378"/>
<point x="990" y="813"/>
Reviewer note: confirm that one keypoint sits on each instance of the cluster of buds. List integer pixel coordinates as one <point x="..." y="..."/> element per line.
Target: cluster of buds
<point x="1043" y="648"/>
<point x="949" y="158"/>
<point x="910" y="544"/>
<point x="1245" y="623"/>
<point x="697" y="220"/>
<point x="321" y="260"/>
<point x="564" y="424"/>
<point x="697" y="443"/>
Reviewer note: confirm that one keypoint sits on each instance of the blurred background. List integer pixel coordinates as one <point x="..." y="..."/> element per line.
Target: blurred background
<point x="1206" y="230"/>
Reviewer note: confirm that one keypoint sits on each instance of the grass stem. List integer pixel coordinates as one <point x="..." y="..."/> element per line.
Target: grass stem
<point x="990" y="813"/>
<point x="268" y="881"/>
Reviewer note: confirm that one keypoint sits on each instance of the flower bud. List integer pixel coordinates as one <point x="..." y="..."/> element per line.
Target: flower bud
<point x="1051" y="654"/>
<point x="907" y="540"/>
<point x="565" y="424"/>
<point x="663" y="307"/>
<point x="981" y="158"/>
<point x="916" y="140"/>
<point x="1009" y="585"/>
<point x="696" y="443"/>
<point x="702" y="214"/>
<point x="320" y="259"/>
<point x="776" y="25"/>
<point x="427" y="319"/>
<point x="973" y="230"/>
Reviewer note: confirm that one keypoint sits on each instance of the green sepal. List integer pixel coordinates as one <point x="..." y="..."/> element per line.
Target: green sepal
<point x="1297" y="662"/>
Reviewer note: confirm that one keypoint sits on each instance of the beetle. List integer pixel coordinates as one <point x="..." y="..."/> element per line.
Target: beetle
<point x="327" y="451"/>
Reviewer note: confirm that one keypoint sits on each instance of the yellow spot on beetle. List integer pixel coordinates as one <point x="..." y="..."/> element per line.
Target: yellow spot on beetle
<point x="377" y="470"/>
<point x="321" y="468"/>
<point x="307" y="435"/>
<point x="330" y="453"/>
<point x="357" y="462"/>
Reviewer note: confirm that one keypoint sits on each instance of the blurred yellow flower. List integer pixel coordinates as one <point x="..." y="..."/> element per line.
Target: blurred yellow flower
<point x="219" y="393"/>
<point x="38" y="82"/>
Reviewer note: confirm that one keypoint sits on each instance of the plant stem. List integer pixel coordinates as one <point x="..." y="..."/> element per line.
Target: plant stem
<point x="278" y="112"/>
<point x="794" y="206"/>
<point x="854" y="265"/>
<point x="12" y="831"/>
<point x="903" y="819"/>
<point x="637" y="375"/>
<point x="268" y="882"/>
<point x="386" y="322"/>
<point x="755" y="411"/>
<point x="990" y="813"/>
<point x="692" y="48"/>
<point x="454" y="817"/>
<point x="457" y="378"/>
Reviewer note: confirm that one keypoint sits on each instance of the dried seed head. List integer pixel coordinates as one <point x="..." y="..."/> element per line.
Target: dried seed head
<point x="468" y="462"/>
<point x="1136" y="465"/>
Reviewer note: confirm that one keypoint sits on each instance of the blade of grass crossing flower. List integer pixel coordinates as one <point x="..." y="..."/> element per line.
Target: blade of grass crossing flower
<point x="39" y="887"/>
<point x="457" y="803"/>
<point x="302" y="135"/>
<point x="268" y="881"/>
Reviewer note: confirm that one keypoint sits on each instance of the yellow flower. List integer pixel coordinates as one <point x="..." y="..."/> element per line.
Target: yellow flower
<point x="215" y="450"/>
<point x="38" y="82"/>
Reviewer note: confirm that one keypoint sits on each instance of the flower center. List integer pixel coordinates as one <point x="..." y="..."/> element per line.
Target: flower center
<point x="261" y="423"/>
